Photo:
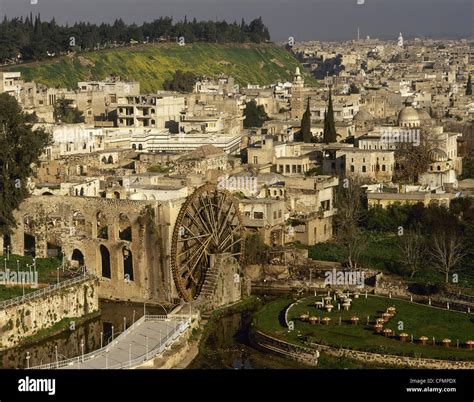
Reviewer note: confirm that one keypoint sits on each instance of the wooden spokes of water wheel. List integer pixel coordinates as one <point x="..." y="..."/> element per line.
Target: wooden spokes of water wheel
<point x="209" y="222"/>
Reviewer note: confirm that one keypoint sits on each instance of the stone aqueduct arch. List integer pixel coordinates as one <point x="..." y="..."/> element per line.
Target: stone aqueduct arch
<point x="136" y="243"/>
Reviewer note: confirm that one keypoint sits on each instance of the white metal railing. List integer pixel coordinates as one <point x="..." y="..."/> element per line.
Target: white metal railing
<point x="176" y="332"/>
<point x="51" y="288"/>
<point x="169" y="339"/>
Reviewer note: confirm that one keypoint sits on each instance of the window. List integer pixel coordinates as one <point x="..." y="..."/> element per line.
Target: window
<point x="364" y="169"/>
<point x="352" y="168"/>
<point x="383" y="168"/>
<point x="255" y="160"/>
<point x="258" y="215"/>
<point x="274" y="215"/>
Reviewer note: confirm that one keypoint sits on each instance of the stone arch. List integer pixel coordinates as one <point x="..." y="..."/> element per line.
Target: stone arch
<point x="102" y="228"/>
<point x="110" y="160"/>
<point x="77" y="257"/>
<point x="125" y="228"/>
<point x="105" y="261"/>
<point x="117" y="195"/>
<point x="104" y="159"/>
<point x="127" y="264"/>
<point x="29" y="245"/>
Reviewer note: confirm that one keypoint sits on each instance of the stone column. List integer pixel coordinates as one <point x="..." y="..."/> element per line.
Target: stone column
<point x="17" y="242"/>
<point x="41" y="246"/>
<point x="1" y="245"/>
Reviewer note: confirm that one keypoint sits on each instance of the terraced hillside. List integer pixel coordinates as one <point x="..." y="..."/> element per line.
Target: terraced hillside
<point x="152" y="64"/>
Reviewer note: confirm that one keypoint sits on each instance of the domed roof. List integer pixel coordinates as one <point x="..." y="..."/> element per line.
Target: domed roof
<point x="424" y="115"/>
<point x="438" y="155"/>
<point x="408" y="116"/>
<point x="363" y="115"/>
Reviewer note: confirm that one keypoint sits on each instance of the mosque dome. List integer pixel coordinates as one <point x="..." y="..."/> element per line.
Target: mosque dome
<point x="438" y="155"/>
<point x="408" y="116"/>
<point x="424" y="116"/>
<point x="362" y="115"/>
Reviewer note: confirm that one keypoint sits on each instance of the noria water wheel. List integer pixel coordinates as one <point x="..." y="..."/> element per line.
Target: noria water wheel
<point x="209" y="222"/>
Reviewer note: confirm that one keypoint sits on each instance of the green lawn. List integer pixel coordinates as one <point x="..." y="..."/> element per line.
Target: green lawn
<point x="152" y="64"/>
<point x="47" y="273"/>
<point x="417" y="320"/>
<point x="383" y="253"/>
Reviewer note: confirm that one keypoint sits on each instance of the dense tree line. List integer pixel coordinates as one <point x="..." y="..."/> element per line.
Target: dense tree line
<point x="180" y="82"/>
<point x="440" y="237"/>
<point x="329" y="67"/>
<point x="31" y="38"/>
<point x="65" y="113"/>
<point x="254" y="115"/>
<point x="20" y="148"/>
<point x="423" y="239"/>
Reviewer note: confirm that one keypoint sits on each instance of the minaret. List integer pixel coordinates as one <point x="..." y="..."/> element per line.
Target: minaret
<point x="297" y="97"/>
<point x="400" y="40"/>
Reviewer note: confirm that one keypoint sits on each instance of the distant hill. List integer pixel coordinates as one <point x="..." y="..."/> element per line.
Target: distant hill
<point x="152" y="64"/>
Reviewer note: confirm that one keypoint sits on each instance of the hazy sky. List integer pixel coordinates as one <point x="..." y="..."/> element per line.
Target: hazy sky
<point x="302" y="19"/>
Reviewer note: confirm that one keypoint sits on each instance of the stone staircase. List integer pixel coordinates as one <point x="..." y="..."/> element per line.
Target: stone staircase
<point x="207" y="291"/>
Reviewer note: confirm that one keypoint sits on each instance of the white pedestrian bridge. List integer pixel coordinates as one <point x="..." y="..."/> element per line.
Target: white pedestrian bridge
<point x="147" y="338"/>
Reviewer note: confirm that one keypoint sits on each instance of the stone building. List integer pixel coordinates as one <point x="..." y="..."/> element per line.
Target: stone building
<point x="125" y="243"/>
<point x="365" y="164"/>
<point x="154" y="111"/>
<point x="297" y="96"/>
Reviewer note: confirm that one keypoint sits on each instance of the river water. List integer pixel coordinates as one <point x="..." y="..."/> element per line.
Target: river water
<point x="68" y="342"/>
<point x="225" y="347"/>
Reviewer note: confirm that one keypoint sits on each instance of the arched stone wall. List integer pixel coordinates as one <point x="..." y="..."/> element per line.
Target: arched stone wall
<point x="74" y="223"/>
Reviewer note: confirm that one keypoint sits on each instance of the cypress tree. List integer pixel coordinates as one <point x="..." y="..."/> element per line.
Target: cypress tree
<point x="20" y="147"/>
<point x="329" y="134"/>
<point x="306" y="125"/>
<point x="469" y="86"/>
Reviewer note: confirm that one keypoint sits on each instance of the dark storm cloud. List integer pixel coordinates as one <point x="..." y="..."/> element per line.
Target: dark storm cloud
<point x="302" y="19"/>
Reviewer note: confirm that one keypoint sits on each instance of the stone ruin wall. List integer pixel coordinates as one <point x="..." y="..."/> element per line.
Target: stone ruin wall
<point x="18" y="322"/>
<point x="137" y="229"/>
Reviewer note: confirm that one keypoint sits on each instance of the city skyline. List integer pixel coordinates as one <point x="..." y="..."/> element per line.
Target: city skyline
<point x="302" y="19"/>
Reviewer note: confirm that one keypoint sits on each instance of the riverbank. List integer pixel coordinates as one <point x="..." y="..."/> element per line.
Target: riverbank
<point x="224" y="343"/>
<point x="340" y="338"/>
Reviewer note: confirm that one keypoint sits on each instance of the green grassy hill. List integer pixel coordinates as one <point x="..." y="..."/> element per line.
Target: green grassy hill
<point x="152" y="64"/>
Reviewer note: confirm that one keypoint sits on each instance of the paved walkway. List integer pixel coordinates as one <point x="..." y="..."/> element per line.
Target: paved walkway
<point x="142" y="341"/>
